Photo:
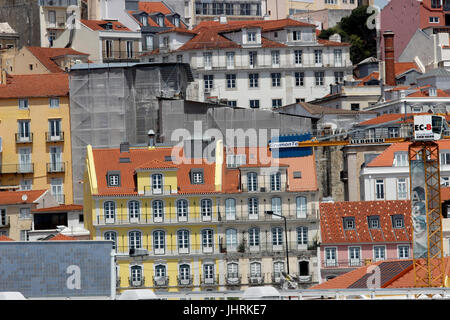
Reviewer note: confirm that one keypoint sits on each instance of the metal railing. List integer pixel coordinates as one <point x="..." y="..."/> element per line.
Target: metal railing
<point x="55" y="167"/>
<point x="24" y="139"/>
<point x="167" y="250"/>
<point x="183" y="282"/>
<point x="137" y="283"/>
<point x="268" y="248"/>
<point x="58" y="3"/>
<point x="265" y="186"/>
<point x="243" y="216"/>
<point x="145" y="219"/>
<point x="164" y="190"/>
<point x="54" y="138"/>
<point x="352" y="263"/>
<point x="233" y="279"/>
<point x="209" y="281"/>
<point x="119" y="55"/>
<point x="161" y="282"/>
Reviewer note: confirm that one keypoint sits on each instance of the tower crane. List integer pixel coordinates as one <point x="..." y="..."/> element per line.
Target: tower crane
<point x="426" y="215"/>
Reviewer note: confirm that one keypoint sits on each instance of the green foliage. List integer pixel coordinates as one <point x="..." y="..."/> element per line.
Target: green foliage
<point x="353" y="29"/>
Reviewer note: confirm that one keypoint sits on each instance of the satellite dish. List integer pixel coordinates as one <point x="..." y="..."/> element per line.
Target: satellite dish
<point x="24" y="197"/>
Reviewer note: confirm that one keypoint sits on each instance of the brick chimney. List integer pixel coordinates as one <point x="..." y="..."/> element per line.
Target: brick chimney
<point x="389" y="58"/>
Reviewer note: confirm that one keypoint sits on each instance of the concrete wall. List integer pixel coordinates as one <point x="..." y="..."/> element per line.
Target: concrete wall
<point x="23" y="17"/>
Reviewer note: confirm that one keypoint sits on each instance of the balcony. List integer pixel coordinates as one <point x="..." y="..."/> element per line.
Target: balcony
<point x="265" y="187"/>
<point x="209" y="281"/>
<point x="54" y="137"/>
<point x="161" y="282"/>
<point x="21" y="138"/>
<point x="120" y="56"/>
<point x="268" y="248"/>
<point x="185" y="282"/>
<point x="351" y="263"/>
<point x="164" y="190"/>
<point x="136" y="283"/>
<point x="165" y="250"/>
<point x="243" y="216"/>
<point x="56" y="167"/>
<point x="255" y="280"/>
<point x="58" y="23"/>
<point x="233" y="279"/>
<point x="147" y="218"/>
<point x="58" y="3"/>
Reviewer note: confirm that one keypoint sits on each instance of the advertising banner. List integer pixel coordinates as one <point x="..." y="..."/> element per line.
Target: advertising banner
<point x="419" y="210"/>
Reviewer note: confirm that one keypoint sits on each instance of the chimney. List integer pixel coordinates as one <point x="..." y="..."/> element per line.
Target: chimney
<point x="389" y="58"/>
<point x="151" y="138"/>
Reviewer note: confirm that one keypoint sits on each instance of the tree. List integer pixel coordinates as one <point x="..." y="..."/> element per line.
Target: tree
<point x="353" y="29"/>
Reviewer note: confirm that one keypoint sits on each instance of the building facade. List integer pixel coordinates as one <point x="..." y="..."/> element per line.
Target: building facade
<point x="202" y="226"/>
<point x="359" y="233"/>
<point x="35" y="132"/>
<point x="282" y="57"/>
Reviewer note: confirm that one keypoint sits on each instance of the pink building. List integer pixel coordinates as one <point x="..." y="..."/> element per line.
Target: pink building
<point x="357" y="233"/>
<point x="405" y="17"/>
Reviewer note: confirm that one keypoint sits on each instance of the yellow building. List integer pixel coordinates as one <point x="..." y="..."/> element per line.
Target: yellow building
<point x="162" y="217"/>
<point x="35" y="134"/>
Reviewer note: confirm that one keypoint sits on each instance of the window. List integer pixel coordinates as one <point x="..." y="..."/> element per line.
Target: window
<point x="276" y="103"/>
<point x="245" y="9"/>
<point x="149" y="41"/>
<point x="209" y="80"/>
<point x="197" y="177"/>
<point x="206" y="207"/>
<point x="158" y="210"/>
<point x="183" y="241"/>
<point x="113" y="180"/>
<point x="337" y="57"/>
<point x="299" y="79"/>
<point x="52" y="17"/>
<point x="276" y="79"/>
<point x="435" y="4"/>
<point x="111" y="236"/>
<point x="275" y="181"/>
<point x="445" y="181"/>
<point x="184" y="274"/>
<point x="251" y="36"/>
<point x="445" y="158"/>
<point x="144" y="20"/>
<point x="136" y="276"/>
<point x="232" y="103"/>
<point x="160" y="274"/>
<point x="319" y="77"/>
<point x="108" y="48"/>
<point x="301" y="207"/>
<point x="208" y="273"/>
<point x="434" y="19"/>
<point x="231" y="239"/>
<point x="207" y="57"/>
<point x="54" y="129"/>
<point x="230" y="59"/>
<point x="253" y="208"/>
<point x="253" y="237"/>
<point x="397" y="221"/>
<point x="354" y="107"/>
<point x="318" y="56"/>
<point x="302" y="235"/>
<point x="182" y="210"/>
<point x="277" y="236"/>
<point x="349" y="223"/>
<point x="26" y="184"/>
<point x="25" y="164"/>
<point x="56" y="189"/>
<point x="134" y="210"/>
<point x="159" y="241"/>
<point x="296" y="35"/>
<point x="298" y="54"/>
<point x="229" y="10"/>
<point x="3" y="217"/>
<point x="278" y="268"/>
<point x="135" y="239"/>
<point x="24" y="213"/>
<point x="255" y="270"/>
<point x="393" y="132"/>
<point x="157" y="183"/>
<point x="374" y="222"/>
<point x="130" y="53"/>
<point x="207" y="240"/>
<point x="275" y="58"/>
<point x="402" y="192"/>
<point x="354" y="256"/>
<point x="24" y="130"/>
<point x="252" y="57"/>
<point x="231" y="81"/>
<point x="232" y="270"/>
<point x="254" y="103"/>
<point x="403" y="252"/>
<point x="339" y="77"/>
<point x="230" y="209"/>
<point x="176" y="21"/>
<point x="330" y="257"/>
<point x="379" y="253"/>
<point x="253" y="80"/>
<point x="379" y="189"/>
<point x="56" y="164"/>
<point x="179" y="58"/>
<point x="160" y="20"/>
<point x="252" y="181"/>
<point x="53" y="102"/>
<point x="276" y="207"/>
<point x="109" y="211"/>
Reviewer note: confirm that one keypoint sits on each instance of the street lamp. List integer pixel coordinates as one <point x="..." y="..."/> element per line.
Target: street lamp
<point x="285" y="233"/>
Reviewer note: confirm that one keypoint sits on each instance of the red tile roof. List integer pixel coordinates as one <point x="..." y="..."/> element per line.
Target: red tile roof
<point x="153" y="7"/>
<point x="425" y="93"/>
<point x="332" y="214"/>
<point x="208" y="39"/>
<point x="386" y="158"/>
<point x="383" y="119"/>
<point x="5" y="238"/>
<point x="36" y="85"/>
<point x="46" y="56"/>
<point x="178" y="30"/>
<point x="60" y="208"/>
<point x="445" y="194"/>
<point x="373" y="76"/>
<point x="15" y="197"/>
<point x="61" y="237"/>
<point x="401" y="67"/>
<point x="98" y="25"/>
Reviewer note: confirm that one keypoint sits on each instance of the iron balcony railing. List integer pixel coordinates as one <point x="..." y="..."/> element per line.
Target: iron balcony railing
<point x="161" y="281"/>
<point x="49" y="137"/>
<point x="352" y="263"/>
<point x="21" y="138"/>
<point x="119" y="55"/>
<point x="233" y="279"/>
<point x="266" y="247"/>
<point x="136" y="283"/>
<point x="163" y="190"/>
<point x="185" y="282"/>
<point x="265" y="186"/>
<point x="17" y="168"/>
<point x="243" y="216"/>
<point x="167" y="250"/>
<point x="145" y="219"/>
<point x="209" y="281"/>
<point x="56" y="167"/>
<point x="58" y="3"/>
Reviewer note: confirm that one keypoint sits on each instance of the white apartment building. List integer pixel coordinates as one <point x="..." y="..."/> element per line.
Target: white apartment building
<point x="55" y="17"/>
<point x="256" y="64"/>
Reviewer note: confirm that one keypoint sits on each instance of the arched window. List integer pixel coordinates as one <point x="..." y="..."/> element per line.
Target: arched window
<point x="158" y="210"/>
<point x="159" y="241"/>
<point x="231" y="239"/>
<point x="206" y="207"/>
<point x="232" y="271"/>
<point x="183" y="241"/>
<point x="134" y="210"/>
<point x="230" y="209"/>
<point x="111" y="236"/>
<point x="255" y="270"/>
<point x="207" y="240"/>
<point x="109" y="210"/>
<point x="278" y="268"/>
<point x="303" y="267"/>
<point x="136" y="279"/>
<point x="182" y="210"/>
<point x="252" y="181"/>
<point x="184" y="275"/>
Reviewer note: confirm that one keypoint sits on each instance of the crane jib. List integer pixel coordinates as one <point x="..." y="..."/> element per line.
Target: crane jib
<point x="365" y="141"/>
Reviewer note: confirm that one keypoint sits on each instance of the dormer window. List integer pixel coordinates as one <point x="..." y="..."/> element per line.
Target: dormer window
<point x="160" y="20"/>
<point x="397" y="221"/>
<point x="176" y="21"/>
<point x="432" y="92"/>
<point x="349" y="223"/>
<point x="197" y="176"/>
<point x="108" y="26"/>
<point x="296" y="35"/>
<point x="113" y="178"/>
<point x="374" y="222"/>
<point x="251" y="36"/>
<point x="144" y="20"/>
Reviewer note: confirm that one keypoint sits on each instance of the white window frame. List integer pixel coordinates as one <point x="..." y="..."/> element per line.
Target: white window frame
<point x="159" y="242"/>
<point x="183" y="241"/>
<point x="206" y="209"/>
<point x="376" y="253"/>
<point x="253" y="208"/>
<point x="330" y="256"/>
<point x="158" y="210"/>
<point x="380" y="193"/>
<point x="354" y="256"/>
<point x="399" y="251"/>
<point x="402" y="188"/>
